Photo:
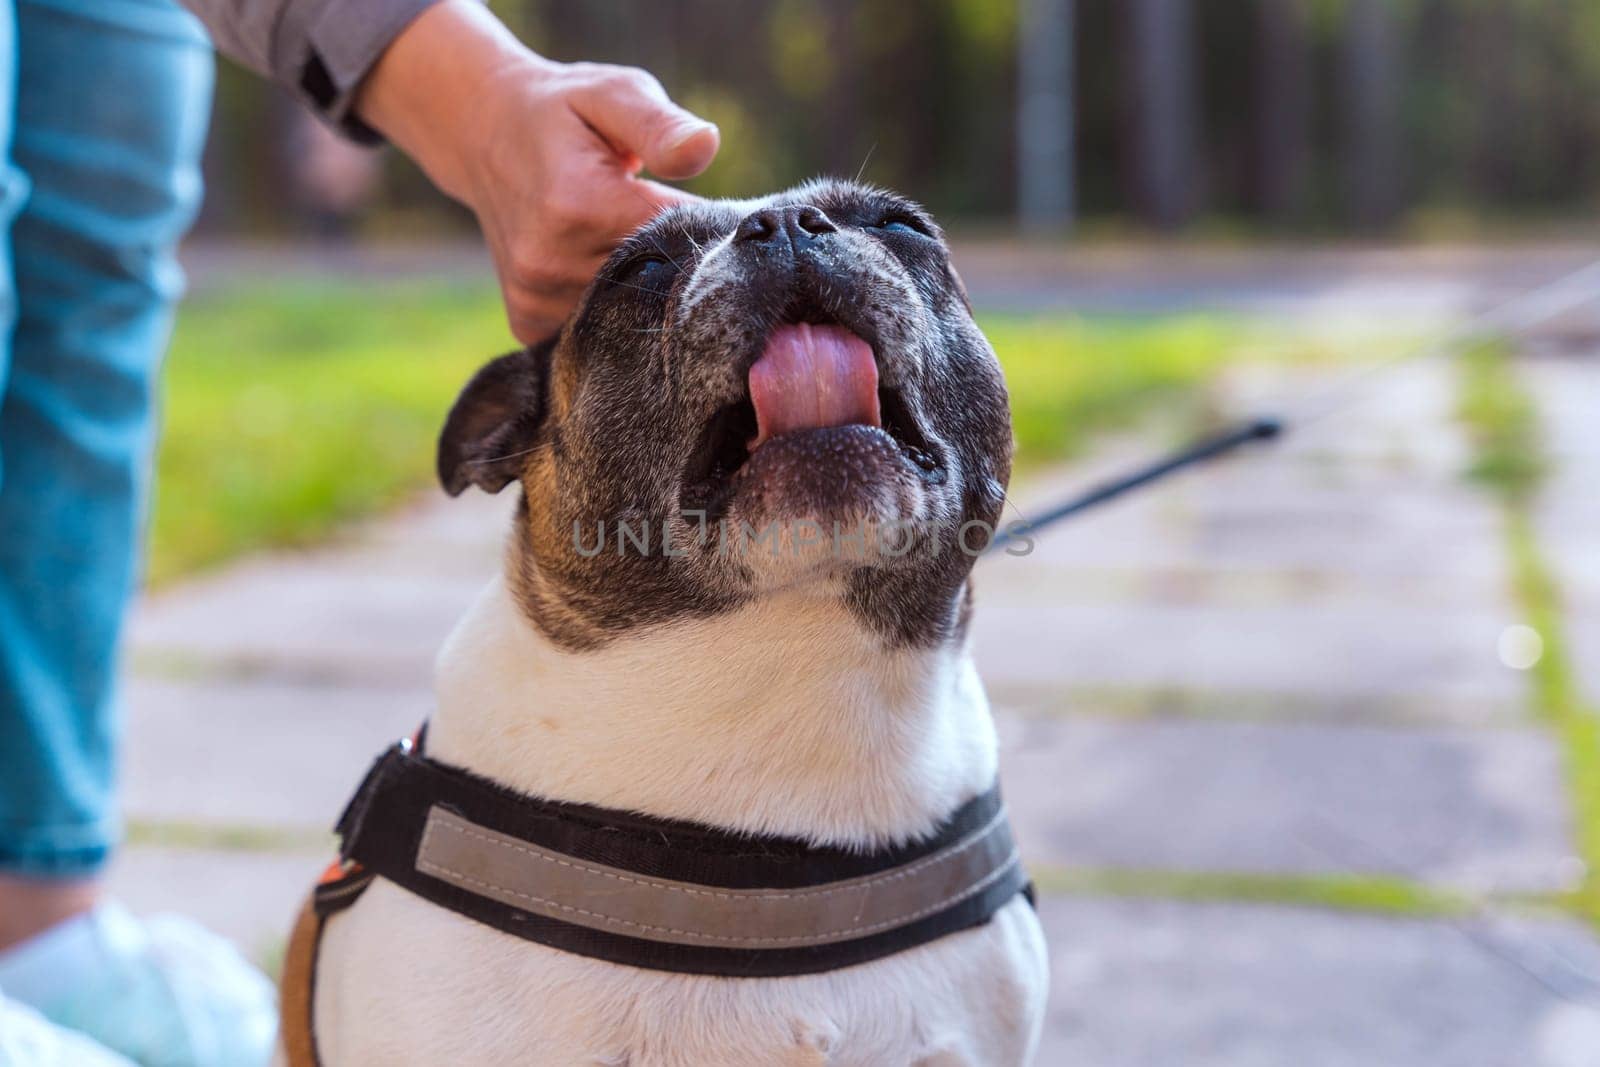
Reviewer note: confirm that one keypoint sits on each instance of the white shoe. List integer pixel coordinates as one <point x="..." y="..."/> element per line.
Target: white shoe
<point x="163" y="992"/>
<point x="28" y="1039"/>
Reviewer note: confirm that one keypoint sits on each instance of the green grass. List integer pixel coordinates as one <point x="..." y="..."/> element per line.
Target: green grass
<point x="291" y="409"/>
<point x="1557" y="697"/>
<point x="1503" y="423"/>
<point x="1377" y="895"/>
<point x="155" y="833"/>
<point x="1071" y="377"/>
<point x="1509" y="460"/>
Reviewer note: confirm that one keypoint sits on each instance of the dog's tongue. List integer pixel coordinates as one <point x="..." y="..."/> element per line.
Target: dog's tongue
<point x="809" y="377"/>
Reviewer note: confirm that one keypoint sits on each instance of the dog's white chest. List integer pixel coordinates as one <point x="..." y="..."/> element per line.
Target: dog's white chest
<point x="838" y="745"/>
<point x="401" y="981"/>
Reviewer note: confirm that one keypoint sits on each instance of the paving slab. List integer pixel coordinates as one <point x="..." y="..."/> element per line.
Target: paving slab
<point x="1476" y="809"/>
<point x="1338" y="542"/>
<point x="1348" y="562"/>
<point x="1368" y="492"/>
<point x="256" y="753"/>
<point x="1330" y="649"/>
<point x="249" y="898"/>
<point x="375" y="606"/>
<point x="1139" y="983"/>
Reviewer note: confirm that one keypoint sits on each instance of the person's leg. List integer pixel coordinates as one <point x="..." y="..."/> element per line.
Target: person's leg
<point x="25" y="907"/>
<point x="111" y="106"/>
<point x="112" y="101"/>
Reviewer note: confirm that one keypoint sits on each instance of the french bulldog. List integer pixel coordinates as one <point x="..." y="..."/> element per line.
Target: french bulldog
<point x="753" y="471"/>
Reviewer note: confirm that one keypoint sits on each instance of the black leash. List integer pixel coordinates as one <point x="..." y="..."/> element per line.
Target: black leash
<point x="1207" y="448"/>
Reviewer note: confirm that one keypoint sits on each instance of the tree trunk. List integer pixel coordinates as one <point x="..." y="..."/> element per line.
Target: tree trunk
<point x="1163" y="90"/>
<point x="842" y="102"/>
<point x="1046" y="198"/>
<point x="1371" y="114"/>
<point x="1283" y="95"/>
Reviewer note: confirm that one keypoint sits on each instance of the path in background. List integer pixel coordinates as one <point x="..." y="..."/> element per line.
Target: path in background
<point x="1282" y="671"/>
<point x="1285" y="670"/>
<point x="1402" y="283"/>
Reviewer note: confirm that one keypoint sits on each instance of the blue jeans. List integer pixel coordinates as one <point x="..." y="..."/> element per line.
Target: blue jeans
<point x="103" y="111"/>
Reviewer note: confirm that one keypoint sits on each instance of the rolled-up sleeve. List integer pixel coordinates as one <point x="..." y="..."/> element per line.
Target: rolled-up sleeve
<point x="318" y="49"/>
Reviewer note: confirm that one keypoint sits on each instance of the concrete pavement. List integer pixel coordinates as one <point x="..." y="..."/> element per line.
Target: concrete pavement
<point x="1284" y="667"/>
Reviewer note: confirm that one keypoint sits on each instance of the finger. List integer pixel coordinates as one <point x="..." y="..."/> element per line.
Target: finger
<point x="631" y="205"/>
<point x="620" y="204"/>
<point x="659" y="197"/>
<point x="687" y="156"/>
<point x="537" y="314"/>
<point x="537" y="306"/>
<point x="631" y="111"/>
<point x="534" y="324"/>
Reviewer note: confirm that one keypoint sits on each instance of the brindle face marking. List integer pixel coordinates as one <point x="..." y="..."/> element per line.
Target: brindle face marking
<point x="635" y="419"/>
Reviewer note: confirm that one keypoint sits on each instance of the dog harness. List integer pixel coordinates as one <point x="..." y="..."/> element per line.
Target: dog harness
<point x="646" y="892"/>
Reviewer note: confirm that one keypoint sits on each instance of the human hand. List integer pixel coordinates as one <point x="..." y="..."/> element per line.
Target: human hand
<point x="547" y="155"/>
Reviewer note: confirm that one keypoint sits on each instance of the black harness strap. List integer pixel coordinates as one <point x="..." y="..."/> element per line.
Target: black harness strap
<point x="385" y="826"/>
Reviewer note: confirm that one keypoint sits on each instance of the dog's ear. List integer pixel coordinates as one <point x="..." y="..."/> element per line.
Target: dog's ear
<point x="496" y="421"/>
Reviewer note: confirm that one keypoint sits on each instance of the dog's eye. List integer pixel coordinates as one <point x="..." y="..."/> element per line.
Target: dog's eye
<point x="900" y="222"/>
<point x="647" y="271"/>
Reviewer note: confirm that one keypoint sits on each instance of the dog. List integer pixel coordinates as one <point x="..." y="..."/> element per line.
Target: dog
<point x="804" y="368"/>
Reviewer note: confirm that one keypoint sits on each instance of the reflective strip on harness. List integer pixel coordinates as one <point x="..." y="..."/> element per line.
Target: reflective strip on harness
<point x="664" y="894"/>
<point x="603" y="897"/>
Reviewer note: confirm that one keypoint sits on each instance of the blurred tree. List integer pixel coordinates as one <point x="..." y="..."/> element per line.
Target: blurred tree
<point x="1302" y="113"/>
<point x="1163" y="90"/>
<point x="841" y="94"/>
<point x="1283" y="109"/>
<point x="1045" y="109"/>
<point x="977" y="75"/>
<point x="1370" y="76"/>
<point x="899" y="55"/>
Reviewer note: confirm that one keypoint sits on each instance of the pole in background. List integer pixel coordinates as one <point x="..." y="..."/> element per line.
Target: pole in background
<point x="1371" y="113"/>
<point x="1283" y="109"/>
<point x="1046" y="192"/>
<point x="1165" y="90"/>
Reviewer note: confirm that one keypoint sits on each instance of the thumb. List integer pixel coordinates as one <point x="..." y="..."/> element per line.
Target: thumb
<point x="632" y="203"/>
<point x="658" y="197"/>
<point x="630" y="110"/>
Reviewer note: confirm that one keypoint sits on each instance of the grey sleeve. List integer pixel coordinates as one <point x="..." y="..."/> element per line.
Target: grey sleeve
<point x="317" y="49"/>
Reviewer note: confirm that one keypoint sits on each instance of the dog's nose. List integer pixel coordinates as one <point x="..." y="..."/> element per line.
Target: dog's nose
<point x="798" y="224"/>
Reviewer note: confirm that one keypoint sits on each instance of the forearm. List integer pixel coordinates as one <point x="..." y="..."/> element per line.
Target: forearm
<point x="547" y="155"/>
<point x="320" y="50"/>
<point x="428" y="92"/>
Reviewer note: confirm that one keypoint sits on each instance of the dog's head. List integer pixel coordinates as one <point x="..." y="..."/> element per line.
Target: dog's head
<point x="752" y="396"/>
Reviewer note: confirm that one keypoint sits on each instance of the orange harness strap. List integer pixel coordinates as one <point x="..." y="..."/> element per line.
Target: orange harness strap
<point x="297" y="988"/>
<point x="340" y="883"/>
<point x="337" y="889"/>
